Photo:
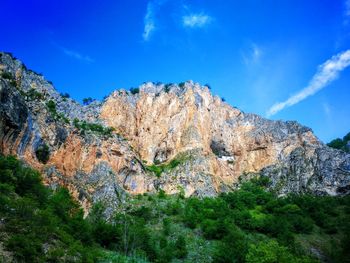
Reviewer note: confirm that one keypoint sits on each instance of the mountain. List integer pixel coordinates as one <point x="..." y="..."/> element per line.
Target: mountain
<point x="170" y="137"/>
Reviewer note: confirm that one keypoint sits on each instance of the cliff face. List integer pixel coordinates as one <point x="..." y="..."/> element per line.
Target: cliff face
<point x="198" y="143"/>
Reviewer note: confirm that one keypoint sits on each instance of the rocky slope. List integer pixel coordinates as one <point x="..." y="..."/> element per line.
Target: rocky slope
<point x="170" y="137"/>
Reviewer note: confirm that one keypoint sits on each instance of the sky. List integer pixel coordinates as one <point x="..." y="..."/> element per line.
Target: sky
<point x="285" y="60"/>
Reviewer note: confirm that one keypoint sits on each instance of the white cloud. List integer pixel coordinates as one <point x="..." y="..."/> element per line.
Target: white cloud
<point x="150" y="18"/>
<point x="149" y="22"/>
<point x="253" y="55"/>
<point x="327" y="72"/>
<point x="76" y="55"/>
<point x="196" y="20"/>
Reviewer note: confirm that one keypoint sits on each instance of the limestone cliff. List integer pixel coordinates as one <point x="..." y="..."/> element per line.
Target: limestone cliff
<point x="168" y="137"/>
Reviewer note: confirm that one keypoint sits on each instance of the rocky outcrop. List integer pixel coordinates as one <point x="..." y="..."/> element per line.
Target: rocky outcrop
<point x="170" y="137"/>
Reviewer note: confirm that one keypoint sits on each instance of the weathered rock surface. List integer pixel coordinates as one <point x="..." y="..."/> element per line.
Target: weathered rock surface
<point x="212" y="143"/>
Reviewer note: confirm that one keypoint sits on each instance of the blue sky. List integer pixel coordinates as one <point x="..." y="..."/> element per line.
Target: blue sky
<point x="283" y="59"/>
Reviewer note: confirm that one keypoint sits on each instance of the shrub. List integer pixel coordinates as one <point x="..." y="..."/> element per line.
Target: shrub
<point x="134" y="90"/>
<point x="51" y="106"/>
<point x="161" y="194"/>
<point x="43" y="153"/>
<point x="266" y="252"/>
<point x="180" y="248"/>
<point x="7" y="75"/>
<point x="182" y="85"/>
<point x="341" y="144"/>
<point x="87" y="101"/>
<point x="65" y="95"/>
<point x="336" y="143"/>
<point x="32" y="94"/>
<point x="96" y="128"/>
<point x="167" y="87"/>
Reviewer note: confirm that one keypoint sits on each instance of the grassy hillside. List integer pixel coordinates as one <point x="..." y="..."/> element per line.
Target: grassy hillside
<point x="248" y="225"/>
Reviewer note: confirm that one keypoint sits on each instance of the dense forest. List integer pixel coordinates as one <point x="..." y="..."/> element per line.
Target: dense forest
<point x="38" y="224"/>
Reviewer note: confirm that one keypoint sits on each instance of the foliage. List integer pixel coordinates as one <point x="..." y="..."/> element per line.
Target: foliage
<point x="87" y="101"/>
<point x="167" y="87"/>
<point x="182" y="85"/>
<point x="51" y="107"/>
<point x="6" y="75"/>
<point x="96" y="128"/>
<point x="134" y="90"/>
<point x="32" y="94"/>
<point x="33" y="216"/>
<point x="43" y="153"/>
<point x="270" y="251"/>
<point x="247" y="225"/>
<point x="65" y="95"/>
<point x="208" y="86"/>
<point x="341" y="144"/>
<point x="158" y="169"/>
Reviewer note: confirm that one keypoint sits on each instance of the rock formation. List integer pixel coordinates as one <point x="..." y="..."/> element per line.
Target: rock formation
<point x="170" y="137"/>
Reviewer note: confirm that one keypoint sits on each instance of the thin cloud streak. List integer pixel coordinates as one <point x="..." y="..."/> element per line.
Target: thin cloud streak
<point x="150" y="18"/>
<point x="327" y="110"/>
<point x="72" y="53"/>
<point x="347" y="8"/>
<point x="327" y="72"/>
<point x="149" y="22"/>
<point x="196" y="20"/>
<point x="253" y="55"/>
<point x="76" y="55"/>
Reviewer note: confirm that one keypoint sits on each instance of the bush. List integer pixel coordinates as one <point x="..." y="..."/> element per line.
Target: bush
<point x="51" y="105"/>
<point x="134" y="90"/>
<point x="180" y="248"/>
<point x="341" y="144"/>
<point x="87" y="101"/>
<point x="96" y="128"/>
<point x="65" y="95"/>
<point x="43" y="153"/>
<point x="158" y="169"/>
<point x="32" y="94"/>
<point x="167" y="87"/>
<point x="7" y="75"/>
<point x="268" y="252"/>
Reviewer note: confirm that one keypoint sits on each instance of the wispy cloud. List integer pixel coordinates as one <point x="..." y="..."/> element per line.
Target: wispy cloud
<point x="327" y="72"/>
<point x="76" y="55"/>
<point x="326" y="109"/>
<point x="196" y="20"/>
<point x="347" y="12"/>
<point x="252" y="55"/>
<point x="150" y="18"/>
<point x="72" y="53"/>
<point x="149" y="21"/>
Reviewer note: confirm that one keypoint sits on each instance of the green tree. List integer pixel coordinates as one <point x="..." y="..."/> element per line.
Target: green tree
<point x="268" y="252"/>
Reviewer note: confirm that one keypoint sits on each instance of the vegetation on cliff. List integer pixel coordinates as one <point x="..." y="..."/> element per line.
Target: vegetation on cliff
<point x="95" y="128"/>
<point x="248" y="225"/>
<point x="341" y="144"/>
